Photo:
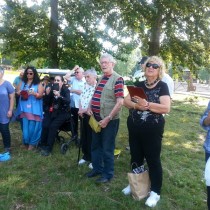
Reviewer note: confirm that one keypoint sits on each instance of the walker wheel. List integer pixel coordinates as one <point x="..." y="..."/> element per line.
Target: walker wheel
<point x="64" y="148"/>
<point x="61" y="139"/>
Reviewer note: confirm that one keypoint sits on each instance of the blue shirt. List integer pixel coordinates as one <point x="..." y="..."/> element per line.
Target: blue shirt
<point x="207" y="128"/>
<point x="6" y="89"/>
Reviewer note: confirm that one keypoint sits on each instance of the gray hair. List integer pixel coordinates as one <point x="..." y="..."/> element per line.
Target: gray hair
<point x="110" y="57"/>
<point x="81" y="69"/>
<point x="91" y="71"/>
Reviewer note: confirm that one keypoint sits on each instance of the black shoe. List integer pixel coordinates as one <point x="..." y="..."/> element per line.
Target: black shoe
<point x="92" y="174"/>
<point x="45" y="153"/>
<point x="102" y="180"/>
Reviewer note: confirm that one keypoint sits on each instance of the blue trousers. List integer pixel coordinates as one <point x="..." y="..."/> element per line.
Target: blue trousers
<point x="31" y="131"/>
<point x="102" y="149"/>
<point x="4" y="129"/>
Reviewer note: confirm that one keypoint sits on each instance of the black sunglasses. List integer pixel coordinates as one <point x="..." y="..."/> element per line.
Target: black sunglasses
<point x="30" y="73"/>
<point x="154" y="65"/>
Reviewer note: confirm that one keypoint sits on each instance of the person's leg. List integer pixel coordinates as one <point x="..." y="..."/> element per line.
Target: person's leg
<point x="53" y="128"/>
<point x="135" y="142"/>
<point x="85" y="138"/>
<point x="35" y="129"/>
<point x="152" y="147"/>
<point x="4" y="129"/>
<point x="96" y="152"/>
<point x="45" y="129"/>
<point x="207" y="156"/>
<point x="75" y="117"/>
<point x="108" y="145"/>
<point x="25" y="130"/>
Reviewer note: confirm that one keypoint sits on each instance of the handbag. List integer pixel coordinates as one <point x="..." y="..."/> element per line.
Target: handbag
<point x="94" y="124"/>
<point x="140" y="184"/>
<point x="24" y="94"/>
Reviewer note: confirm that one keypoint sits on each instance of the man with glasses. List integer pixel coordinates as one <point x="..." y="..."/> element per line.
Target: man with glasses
<point x="105" y="105"/>
<point x="76" y="87"/>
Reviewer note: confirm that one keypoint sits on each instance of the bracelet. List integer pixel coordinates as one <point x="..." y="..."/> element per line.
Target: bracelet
<point x="148" y="105"/>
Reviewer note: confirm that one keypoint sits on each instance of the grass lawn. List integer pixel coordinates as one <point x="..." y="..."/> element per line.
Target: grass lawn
<point x="30" y="181"/>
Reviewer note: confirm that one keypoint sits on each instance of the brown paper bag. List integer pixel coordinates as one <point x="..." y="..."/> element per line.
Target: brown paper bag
<point x="140" y="184"/>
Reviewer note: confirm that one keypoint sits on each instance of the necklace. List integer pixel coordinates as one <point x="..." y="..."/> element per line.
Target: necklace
<point x="150" y="84"/>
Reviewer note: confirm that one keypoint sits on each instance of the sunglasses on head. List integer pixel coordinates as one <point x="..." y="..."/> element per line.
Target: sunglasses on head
<point x="154" y="65"/>
<point x="30" y="73"/>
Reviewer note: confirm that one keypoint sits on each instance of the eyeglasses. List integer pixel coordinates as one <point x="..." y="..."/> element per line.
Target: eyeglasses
<point x="30" y="73"/>
<point x="56" y="80"/>
<point x="76" y="72"/>
<point x="105" y="62"/>
<point x="154" y="65"/>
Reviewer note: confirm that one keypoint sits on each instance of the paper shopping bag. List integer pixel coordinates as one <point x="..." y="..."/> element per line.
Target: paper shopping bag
<point x="140" y="184"/>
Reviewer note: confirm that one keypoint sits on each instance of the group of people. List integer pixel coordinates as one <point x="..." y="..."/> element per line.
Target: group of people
<point x="102" y="98"/>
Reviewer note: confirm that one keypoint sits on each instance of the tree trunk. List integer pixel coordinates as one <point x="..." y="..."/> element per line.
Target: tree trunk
<point x="53" y="39"/>
<point x="154" y="44"/>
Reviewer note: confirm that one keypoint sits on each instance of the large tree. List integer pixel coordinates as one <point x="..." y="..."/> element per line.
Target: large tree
<point x="71" y="36"/>
<point x="178" y="30"/>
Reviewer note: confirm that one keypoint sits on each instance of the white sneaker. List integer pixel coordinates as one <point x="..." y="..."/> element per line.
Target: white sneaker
<point x="152" y="200"/>
<point x="90" y="166"/>
<point x="127" y="190"/>
<point x="82" y="161"/>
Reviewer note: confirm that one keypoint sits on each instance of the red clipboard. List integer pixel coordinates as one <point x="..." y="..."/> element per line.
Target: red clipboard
<point x="136" y="91"/>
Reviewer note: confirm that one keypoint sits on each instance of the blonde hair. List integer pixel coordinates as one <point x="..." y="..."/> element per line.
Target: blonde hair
<point x="160" y="62"/>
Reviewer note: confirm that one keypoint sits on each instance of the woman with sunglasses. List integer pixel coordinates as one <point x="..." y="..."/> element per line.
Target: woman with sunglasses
<point x="58" y="99"/>
<point x="30" y="108"/>
<point x="146" y="124"/>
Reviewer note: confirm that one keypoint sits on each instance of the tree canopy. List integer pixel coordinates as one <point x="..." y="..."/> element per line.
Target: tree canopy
<point x="177" y="30"/>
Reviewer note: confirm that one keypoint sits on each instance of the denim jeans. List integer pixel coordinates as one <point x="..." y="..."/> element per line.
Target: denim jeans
<point x="4" y="129"/>
<point x="102" y="149"/>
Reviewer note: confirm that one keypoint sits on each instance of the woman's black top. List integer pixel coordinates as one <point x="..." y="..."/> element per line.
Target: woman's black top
<point x="153" y="95"/>
<point x="57" y="104"/>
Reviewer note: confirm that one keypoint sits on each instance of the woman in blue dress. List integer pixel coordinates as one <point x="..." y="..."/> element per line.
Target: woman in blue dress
<point x="30" y="107"/>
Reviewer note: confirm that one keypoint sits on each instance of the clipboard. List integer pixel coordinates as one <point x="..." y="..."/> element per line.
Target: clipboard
<point x="137" y="91"/>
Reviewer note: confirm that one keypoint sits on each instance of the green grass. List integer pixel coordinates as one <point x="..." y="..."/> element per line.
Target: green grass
<point x="29" y="181"/>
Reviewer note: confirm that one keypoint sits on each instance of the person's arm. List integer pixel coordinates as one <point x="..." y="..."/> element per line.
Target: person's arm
<point x="15" y="83"/>
<point x="68" y="75"/>
<point x="206" y="121"/>
<point x="11" y="104"/>
<point x="18" y="88"/>
<point x="78" y="92"/>
<point x="40" y="92"/>
<point x="205" y="118"/>
<point x="103" y="123"/>
<point x="163" y="107"/>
